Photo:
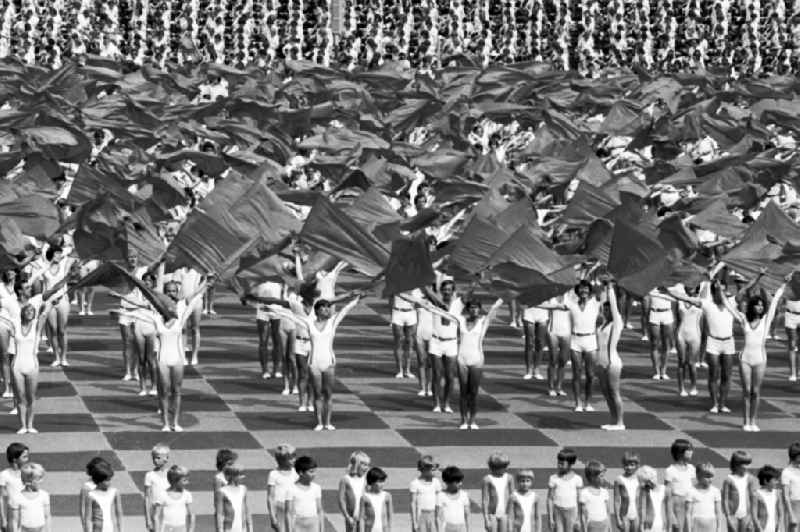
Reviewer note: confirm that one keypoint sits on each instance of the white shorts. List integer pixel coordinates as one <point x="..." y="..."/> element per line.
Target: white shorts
<point x="536" y="315"/>
<point x="661" y="317"/>
<point x="302" y="346"/>
<point x="424" y="325"/>
<point x="716" y="346"/>
<point x="583" y="344"/>
<point x="125" y="320"/>
<point x="791" y="320"/>
<point x="404" y="318"/>
<point x="446" y="347"/>
<point x="145" y="328"/>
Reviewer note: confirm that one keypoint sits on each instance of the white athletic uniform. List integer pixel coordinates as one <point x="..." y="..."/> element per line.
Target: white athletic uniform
<point x="403" y="312"/>
<point x="660" y="309"/>
<point x="444" y="341"/>
<point x="753" y="351"/>
<point x="526" y="503"/>
<point x="720" y="329"/>
<point x="791" y="316"/>
<point x="584" y="322"/>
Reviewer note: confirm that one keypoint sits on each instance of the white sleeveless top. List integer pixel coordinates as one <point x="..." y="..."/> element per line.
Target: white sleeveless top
<point x="526" y="502"/>
<point x="376" y="500"/>
<point x="753" y="351"/>
<point x="322" y="356"/>
<point x="500" y="485"/>
<point x="470" y="349"/>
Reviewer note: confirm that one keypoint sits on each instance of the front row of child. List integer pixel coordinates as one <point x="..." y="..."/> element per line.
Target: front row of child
<point x="686" y="500"/>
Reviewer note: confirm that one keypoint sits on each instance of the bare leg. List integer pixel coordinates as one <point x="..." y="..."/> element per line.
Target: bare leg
<point x="263" y="345"/>
<point x="791" y="345"/>
<point x="5" y="359"/>
<point x="667" y="337"/>
<point x="588" y="362"/>
<point x="301" y="362"/>
<point x="529" y="330"/>
<point x="437" y="369"/>
<point x="680" y="346"/>
<point x="409" y="343"/>
<point x="423" y="375"/>
<point x="328" y="381"/>
<point x="176" y="381"/>
<point x="755" y="391"/>
<point x="316" y="386"/>
<point x="450" y="373"/>
<point x="164" y="392"/>
<point x="278" y="348"/>
<point x="713" y="379"/>
<point x="726" y="363"/>
<point x="31" y="384"/>
<point x="576" y="377"/>
<point x="289" y="373"/>
<point x="654" y="334"/>
<point x="126" y="333"/>
<point x="397" y="333"/>
<point x="22" y="405"/>
<point x="194" y="329"/>
<point x="463" y="392"/>
<point x="747" y="390"/>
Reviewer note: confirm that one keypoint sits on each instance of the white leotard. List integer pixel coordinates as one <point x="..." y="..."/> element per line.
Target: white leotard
<point x="322" y="356"/>
<point x="689" y="329"/>
<point x="607" y="345"/>
<point x="235" y="496"/>
<point x="26" y="362"/>
<point x="101" y="509"/>
<point x="769" y="499"/>
<point x="376" y="500"/>
<point x="500" y="485"/>
<point x="753" y="351"/>
<point x="171" y="352"/>
<point x="470" y="348"/>
<point x="526" y="503"/>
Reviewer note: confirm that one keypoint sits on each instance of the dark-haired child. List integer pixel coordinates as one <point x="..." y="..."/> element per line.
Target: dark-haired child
<point x="304" y="511"/>
<point x="737" y="491"/>
<point x="452" y="503"/>
<point x="679" y="479"/>
<point x="375" y="508"/>
<point x="103" y="510"/>
<point x="593" y="500"/>
<point x="768" y="515"/>
<point x="562" y="493"/>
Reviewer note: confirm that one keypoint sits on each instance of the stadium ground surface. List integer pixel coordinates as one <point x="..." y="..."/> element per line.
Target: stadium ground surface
<point x="85" y="410"/>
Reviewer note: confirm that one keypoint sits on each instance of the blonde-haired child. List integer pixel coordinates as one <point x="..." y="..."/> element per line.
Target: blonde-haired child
<point x="279" y="483"/>
<point x="652" y="502"/>
<point x="424" y="490"/>
<point x="704" y="503"/>
<point x="174" y="506"/>
<point x="351" y="488"/>
<point x="523" y="507"/>
<point x="30" y="508"/>
<point x="496" y="488"/>
<point x="155" y="483"/>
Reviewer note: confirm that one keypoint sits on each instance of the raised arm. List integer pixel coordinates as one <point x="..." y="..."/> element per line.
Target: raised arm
<point x="197" y="293"/>
<point x="431" y="307"/>
<point x="773" y="305"/>
<point x="611" y="294"/>
<point x="491" y="314"/>
<point x="741" y="318"/>
<point x="339" y="316"/>
<point x="750" y="284"/>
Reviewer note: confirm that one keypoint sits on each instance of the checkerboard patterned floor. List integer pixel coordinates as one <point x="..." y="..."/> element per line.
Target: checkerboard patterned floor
<point x="85" y="410"/>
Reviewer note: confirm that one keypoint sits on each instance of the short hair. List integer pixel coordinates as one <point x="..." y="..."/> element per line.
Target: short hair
<point x="525" y="473"/>
<point x="376" y="474"/>
<point x="740" y="458"/>
<point x="794" y="450"/>
<point x="472" y="303"/>
<point x="583" y="283"/>
<point x="231" y="472"/>
<point x="321" y="303"/>
<point x="304" y="463"/>
<point x="767" y="473"/>
<point x="647" y="474"/>
<point x="91" y="464"/>
<point x="102" y="472"/>
<point x="284" y="451"/>
<point x="679" y="447"/>
<point x="426" y="462"/>
<point x="705" y="470"/>
<point x="31" y="471"/>
<point x="176" y="473"/>
<point x="498" y="460"/>
<point x="593" y="469"/>
<point x="452" y="474"/>
<point x="356" y="458"/>
<point x="14" y="451"/>
<point x="160" y="448"/>
<point x="567" y="455"/>
<point x="630" y="457"/>
<point x="225" y="457"/>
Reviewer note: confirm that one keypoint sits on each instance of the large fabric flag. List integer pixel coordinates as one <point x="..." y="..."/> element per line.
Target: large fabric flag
<point x="238" y="213"/>
<point x="409" y="266"/>
<point x="329" y="229"/>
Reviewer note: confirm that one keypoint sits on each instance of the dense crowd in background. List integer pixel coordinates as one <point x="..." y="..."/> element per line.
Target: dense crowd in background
<point x="745" y="37"/>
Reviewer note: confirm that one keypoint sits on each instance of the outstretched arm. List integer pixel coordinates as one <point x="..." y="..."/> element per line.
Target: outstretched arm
<point x="750" y="284"/>
<point x="611" y="294"/>
<point x="339" y="316"/>
<point x="741" y="318"/>
<point x="773" y="305"/>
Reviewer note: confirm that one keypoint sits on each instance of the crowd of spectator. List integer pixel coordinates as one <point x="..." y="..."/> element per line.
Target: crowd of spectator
<point x="749" y="37"/>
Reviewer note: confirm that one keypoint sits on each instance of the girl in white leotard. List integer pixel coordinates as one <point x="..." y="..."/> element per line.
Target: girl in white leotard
<point x="9" y="309"/>
<point x="232" y="513"/>
<point x="27" y="332"/>
<point x="375" y="512"/>
<point x="609" y="363"/>
<point x="102" y="507"/>
<point x="321" y="359"/>
<point x="688" y="339"/>
<point x="171" y="352"/>
<point x="53" y="274"/>
<point x="472" y="328"/>
<point x="756" y="324"/>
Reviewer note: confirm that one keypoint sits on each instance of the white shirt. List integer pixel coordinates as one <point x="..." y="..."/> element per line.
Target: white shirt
<point x="158" y="482"/>
<point x="281" y="482"/>
<point x="426" y="493"/>
<point x="680" y="479"/>
<point x="584" y="320"/>
<point x="704" y="502"/>
<point x="596" y="503"/>
<point x="565" y="490"/>
<point x="305" y="499"/>
<point x="790" y="480"/>
<point x="720" y="320"/>
<point x="174" y="508"/>
<point x="453" y="506"/>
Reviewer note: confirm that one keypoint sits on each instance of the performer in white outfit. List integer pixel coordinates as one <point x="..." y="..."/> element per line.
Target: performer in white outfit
<point x="756" y="324"/>
<point x="609" y="363"/>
